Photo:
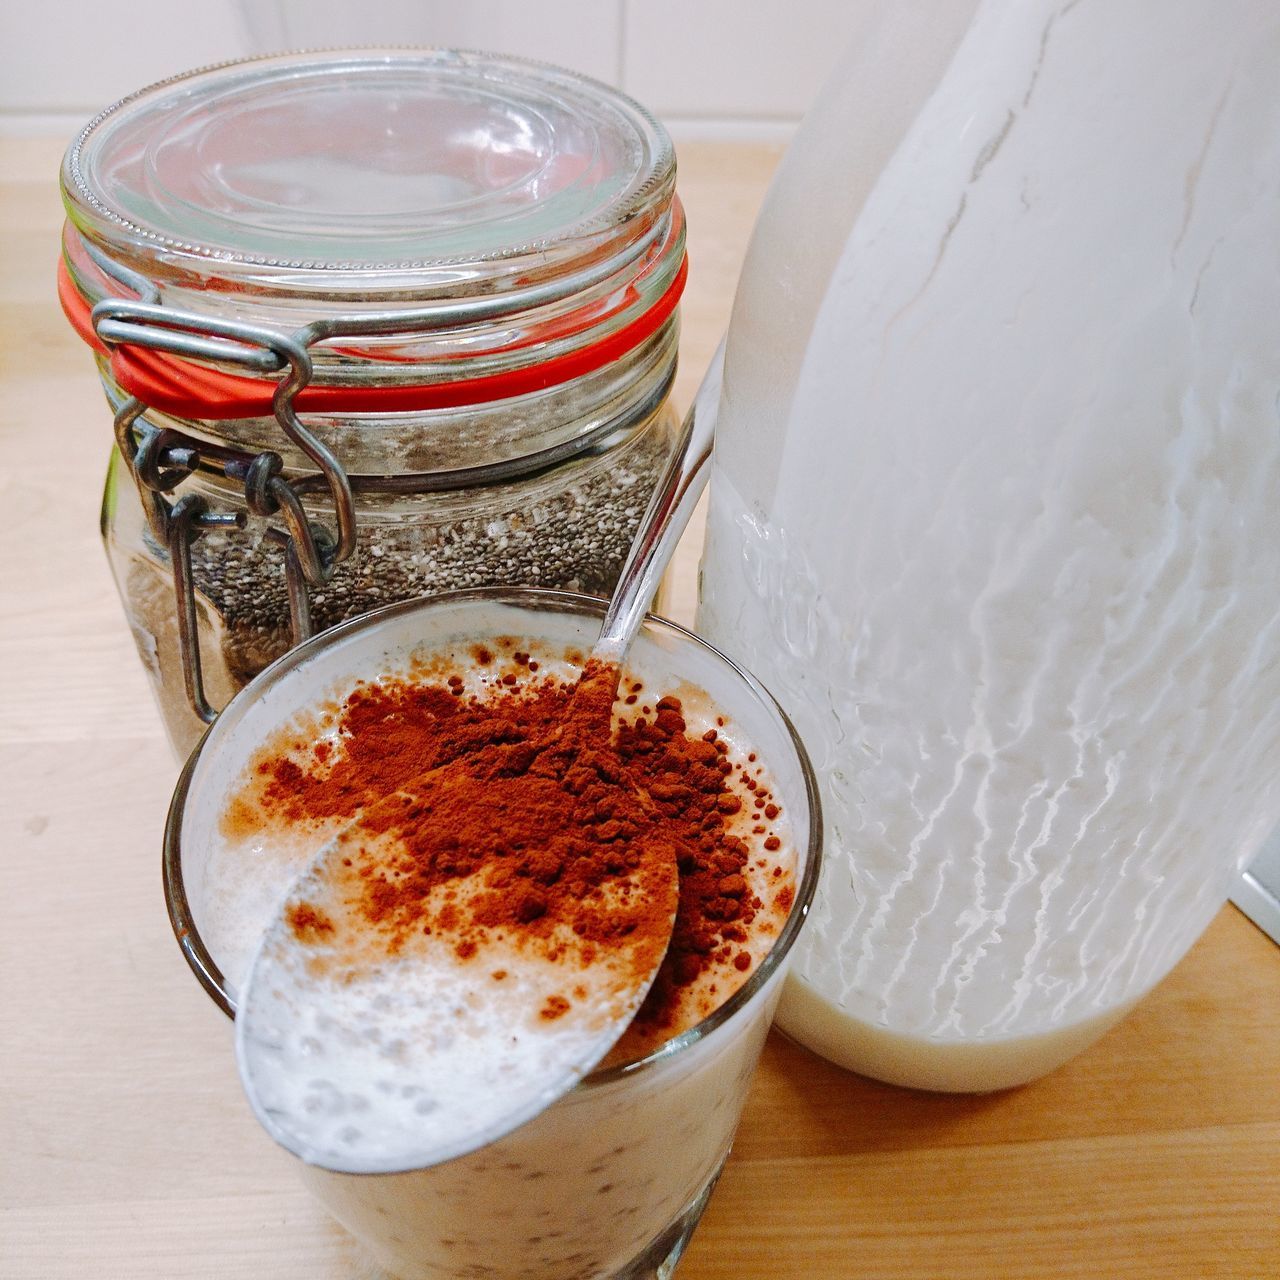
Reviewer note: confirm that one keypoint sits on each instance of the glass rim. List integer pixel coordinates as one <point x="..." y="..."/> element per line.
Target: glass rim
<point x="210" y="977"/>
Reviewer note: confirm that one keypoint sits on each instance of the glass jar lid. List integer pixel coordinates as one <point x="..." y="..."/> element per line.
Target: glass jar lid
<point x="348" y="173"/>
<point x="436" y="228"/>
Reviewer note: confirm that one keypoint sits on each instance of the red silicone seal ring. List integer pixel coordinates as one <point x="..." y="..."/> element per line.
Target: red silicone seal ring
<point x="191" y="390"/>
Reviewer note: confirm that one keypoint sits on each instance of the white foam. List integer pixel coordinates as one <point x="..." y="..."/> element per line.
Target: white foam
<point x="236" y="880"/>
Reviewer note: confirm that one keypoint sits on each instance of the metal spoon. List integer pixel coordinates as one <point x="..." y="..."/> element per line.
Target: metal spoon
<point x="673" y="501"/>
<point x="368" y="1062"/>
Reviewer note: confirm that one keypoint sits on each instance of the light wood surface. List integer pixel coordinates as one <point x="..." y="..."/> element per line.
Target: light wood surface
<point x="126" y="1149"/>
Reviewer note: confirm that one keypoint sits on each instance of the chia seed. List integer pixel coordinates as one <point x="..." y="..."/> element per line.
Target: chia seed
<point x="570" y="530"/>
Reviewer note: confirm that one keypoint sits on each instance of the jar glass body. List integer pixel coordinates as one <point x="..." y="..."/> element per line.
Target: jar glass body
<point x="568" y="527"/>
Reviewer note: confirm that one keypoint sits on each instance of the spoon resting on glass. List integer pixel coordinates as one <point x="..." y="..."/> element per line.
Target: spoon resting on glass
<point x="373" y="1047"/>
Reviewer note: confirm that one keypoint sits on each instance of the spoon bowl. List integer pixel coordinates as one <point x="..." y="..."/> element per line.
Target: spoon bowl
<point x="367" y="1057"/>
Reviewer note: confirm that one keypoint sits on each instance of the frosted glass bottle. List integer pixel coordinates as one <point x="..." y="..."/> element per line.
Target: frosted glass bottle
<point x="996" y="513"/>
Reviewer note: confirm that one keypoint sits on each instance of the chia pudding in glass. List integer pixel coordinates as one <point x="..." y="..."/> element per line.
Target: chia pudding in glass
<point x="610" y="1180"/>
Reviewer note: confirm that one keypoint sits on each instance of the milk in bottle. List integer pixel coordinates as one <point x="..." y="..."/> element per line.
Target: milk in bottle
<point x="996" y="513"/>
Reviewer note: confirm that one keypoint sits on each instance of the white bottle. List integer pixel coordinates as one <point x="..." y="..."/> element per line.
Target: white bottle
<point x="996" y="513"/>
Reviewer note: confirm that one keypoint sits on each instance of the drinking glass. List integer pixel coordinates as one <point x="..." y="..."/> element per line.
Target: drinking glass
<point x="610" y="1180"/>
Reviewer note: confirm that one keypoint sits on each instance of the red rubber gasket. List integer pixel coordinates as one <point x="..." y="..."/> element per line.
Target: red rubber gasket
<point x="191" y="390"/>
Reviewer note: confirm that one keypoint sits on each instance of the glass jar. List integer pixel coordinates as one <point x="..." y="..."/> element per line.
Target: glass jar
<point x="373" y="324"/>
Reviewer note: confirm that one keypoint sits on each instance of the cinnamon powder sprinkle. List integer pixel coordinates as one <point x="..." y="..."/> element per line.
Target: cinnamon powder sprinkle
<point x="308" y="923"/>
<point x="555" y="1007"/>
<point x="530" y="789"/>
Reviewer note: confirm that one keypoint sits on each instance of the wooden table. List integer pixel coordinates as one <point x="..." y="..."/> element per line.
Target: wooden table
<point x="128" y="1150"/>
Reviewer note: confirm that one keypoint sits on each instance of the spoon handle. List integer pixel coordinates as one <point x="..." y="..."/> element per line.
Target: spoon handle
<point x="673" y="501"/>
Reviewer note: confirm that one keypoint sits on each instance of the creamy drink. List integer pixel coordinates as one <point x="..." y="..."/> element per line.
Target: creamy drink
<point x="994" y="514"/>
<point x="616" y="1172"/>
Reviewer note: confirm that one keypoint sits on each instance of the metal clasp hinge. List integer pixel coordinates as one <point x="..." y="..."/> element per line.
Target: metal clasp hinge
<point x="160" y="460"/>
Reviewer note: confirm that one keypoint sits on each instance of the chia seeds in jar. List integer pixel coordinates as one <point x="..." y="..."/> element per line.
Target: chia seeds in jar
<point x="374" y="324"/>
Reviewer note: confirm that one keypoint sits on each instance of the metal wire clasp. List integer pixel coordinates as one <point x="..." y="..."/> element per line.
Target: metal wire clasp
<point x="160" y="460"/>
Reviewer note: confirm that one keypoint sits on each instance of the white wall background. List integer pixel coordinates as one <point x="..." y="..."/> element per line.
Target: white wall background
<point x="710" y="68"/>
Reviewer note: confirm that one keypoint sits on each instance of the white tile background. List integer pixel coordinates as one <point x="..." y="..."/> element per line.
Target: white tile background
<point x="710" y="68"/>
